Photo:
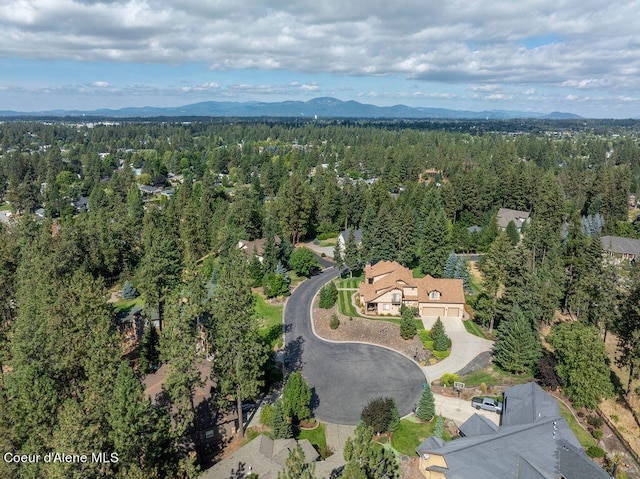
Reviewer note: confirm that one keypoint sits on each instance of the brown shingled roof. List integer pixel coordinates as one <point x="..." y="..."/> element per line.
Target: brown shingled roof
<point x="397" y="276"/>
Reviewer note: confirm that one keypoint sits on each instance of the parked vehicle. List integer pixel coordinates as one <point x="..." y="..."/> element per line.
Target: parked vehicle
<point x="488" y="404"/>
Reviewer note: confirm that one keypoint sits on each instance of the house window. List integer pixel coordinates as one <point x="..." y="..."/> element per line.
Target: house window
<point x="385" y="307"/>
<point x="395" y="298"/>
<point x="370" y="280"/>
<point x="434" y="295"/>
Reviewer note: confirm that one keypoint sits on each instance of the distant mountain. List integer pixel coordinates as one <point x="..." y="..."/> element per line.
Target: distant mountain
<point x="324" y="107"/>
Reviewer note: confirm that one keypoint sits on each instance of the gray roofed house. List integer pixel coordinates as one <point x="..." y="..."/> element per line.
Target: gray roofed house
<point x="474" y="229"/>
<point x="262" y="456"/>
<point x="477" y="425"/>
<point x="533" y="442"/>
<point x="627" y="248"/>
<point x="342" y="237"/>
<point x="505" y="216"/>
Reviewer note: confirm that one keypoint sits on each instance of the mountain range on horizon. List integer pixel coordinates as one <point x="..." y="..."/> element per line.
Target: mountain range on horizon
<point x="323" y="107"/>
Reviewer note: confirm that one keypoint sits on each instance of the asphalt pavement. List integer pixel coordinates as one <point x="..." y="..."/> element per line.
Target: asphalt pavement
<point x="344" y="376"/>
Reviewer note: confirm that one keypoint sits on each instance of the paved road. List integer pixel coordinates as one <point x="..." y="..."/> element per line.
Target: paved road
<point x="344" y="376"/>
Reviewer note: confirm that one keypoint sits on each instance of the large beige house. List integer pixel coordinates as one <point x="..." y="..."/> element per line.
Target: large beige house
<point x="388" y="285"/>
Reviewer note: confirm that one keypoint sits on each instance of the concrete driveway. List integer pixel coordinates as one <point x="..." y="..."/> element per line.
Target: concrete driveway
<point x="344" y="376"/>
<point x="464" y="348"/>
<point x="459" y="410"/>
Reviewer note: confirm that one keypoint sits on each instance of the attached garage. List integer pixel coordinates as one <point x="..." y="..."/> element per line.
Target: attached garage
<point x="432" y="311"/>
<point x="453" y="312"/>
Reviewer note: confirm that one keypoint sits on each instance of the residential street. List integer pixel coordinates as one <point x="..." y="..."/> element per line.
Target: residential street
<point x="344" y="376"/>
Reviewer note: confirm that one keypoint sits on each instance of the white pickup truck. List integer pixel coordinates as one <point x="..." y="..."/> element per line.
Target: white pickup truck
<point x="489" y="404"/>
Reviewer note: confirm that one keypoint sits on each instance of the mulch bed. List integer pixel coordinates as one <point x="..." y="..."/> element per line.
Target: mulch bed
<point x="372" y="331"/>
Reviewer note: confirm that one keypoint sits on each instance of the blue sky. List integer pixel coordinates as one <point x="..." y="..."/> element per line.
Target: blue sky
<point x="533" y="55"/>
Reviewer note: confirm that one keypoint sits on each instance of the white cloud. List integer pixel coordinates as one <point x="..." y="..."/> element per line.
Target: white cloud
<point x="101" y="84"/>
<point x="494" y="45"/>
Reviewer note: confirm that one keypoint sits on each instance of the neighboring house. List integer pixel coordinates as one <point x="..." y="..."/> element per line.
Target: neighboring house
<point x="342" y="238"/>
<point x="263" y="456"/>
<point x="533" y="442"/>
<point x="149" y="190"/>
<point x="625" y="248"/>
<point x="5" y="217"/>
<point x="505" y="216"/>
<point x="474" y="229"/>
<point x="81" y="204"/>
<point x="248" y="247"/>
<point x="389" y="285"/>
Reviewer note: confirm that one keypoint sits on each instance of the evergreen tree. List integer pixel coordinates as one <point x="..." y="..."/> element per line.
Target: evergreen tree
<point x="129" y="291"/>
<point x="628" y="331"/>
<point x="328" y="296"/>
<point x="296" y="466"/>
<point x="517" y="348"/>
<point x="512" y="233"/>
<point x="304" y="262"/>
<point x="439" y="336"/>
<point x="366" y="460"/>
<point x="135" y="207"/>
<point x="450" y="266"/>
<point x="582" y="363"/>
<point x="256" y="272"/>
<point x="438" y="431"/>
<point x="427" y="405"/>
<point x="160" y="269"/>
<point x="233" y="332"/>
<point x="408" y="328"/>
<point x="495" y="268"/>
<point x="296" y="397"/>
<point x="338" y="257"/>
<point x="141" y="434"/>
<point x="435" y="245"/>
<point x="149" y="350"/>
<point x="178" y="352"/>
<point x="280" y="427"/>
<point x="352" y="253"/>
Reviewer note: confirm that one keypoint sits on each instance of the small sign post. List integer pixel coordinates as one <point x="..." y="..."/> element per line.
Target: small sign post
<point x="458" y="386"/>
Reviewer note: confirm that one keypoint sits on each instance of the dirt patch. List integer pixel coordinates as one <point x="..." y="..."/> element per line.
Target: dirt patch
<point x="363" y="330"/>
<point x="410" y="467"/>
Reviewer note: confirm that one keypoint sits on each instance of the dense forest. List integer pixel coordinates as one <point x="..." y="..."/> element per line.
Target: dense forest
<point x="160" y="207"/>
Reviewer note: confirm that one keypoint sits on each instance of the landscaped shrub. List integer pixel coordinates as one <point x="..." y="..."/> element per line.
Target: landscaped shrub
<point x="335" y="322"/>
<point x="129" y="291"/>
<point x="597" y="434"/>
<point x="595" y="451"/>
<point x="439" y="336"/>
<point x="595" y="421"/>
<point x="448" y="379"/>
<point x="440" y="354"/>
<point x="328" y="296"/>
<point x="275" y="285"/>
<point x="266" y="414"/>
<point x="378" y="414"/>
<point x="425" y="337"/>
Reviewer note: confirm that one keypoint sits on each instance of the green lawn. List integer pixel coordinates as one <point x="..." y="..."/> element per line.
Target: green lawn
<point x="351" y="283"/>
<point x="5" y="207"/>
<point x="583" y="436"/>
<point x="410" y="435"/>
<point x="494" y="376"/>
<point x="474" y="329"/>
<point x="270" y="317"/>
<point x="127" y="304"/>
<point x="345" y="306"/>
<point x="316" y="437"/>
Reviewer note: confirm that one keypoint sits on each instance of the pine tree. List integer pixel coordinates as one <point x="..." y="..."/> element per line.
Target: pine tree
<point x="240" y="356"/>
<point x="512" y="233"/>
<point x="435" y="245"/>
<point x="366" y="460"/>
<point x="408" y="328"/>
<point x="129" y="291"/>
<point x="517" y="348"/>
<point x="439" y="336"/>
<point x="296" y="466"/>
<point x="352" y="253"/>
<point x="438" y="431"/>
<point x="280" y="427"/>
<point x="582" y="363"/>
<point x="450" y="266"/>
<point x="149" y="350"/>
<point x="296" y="397"/>
<point x="495" y="268"/>
<point x="427" y="405"/>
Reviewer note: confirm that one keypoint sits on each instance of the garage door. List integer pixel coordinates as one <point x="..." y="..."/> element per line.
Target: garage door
<point x="431" y="311"/>
<point x="453" y="312"/>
